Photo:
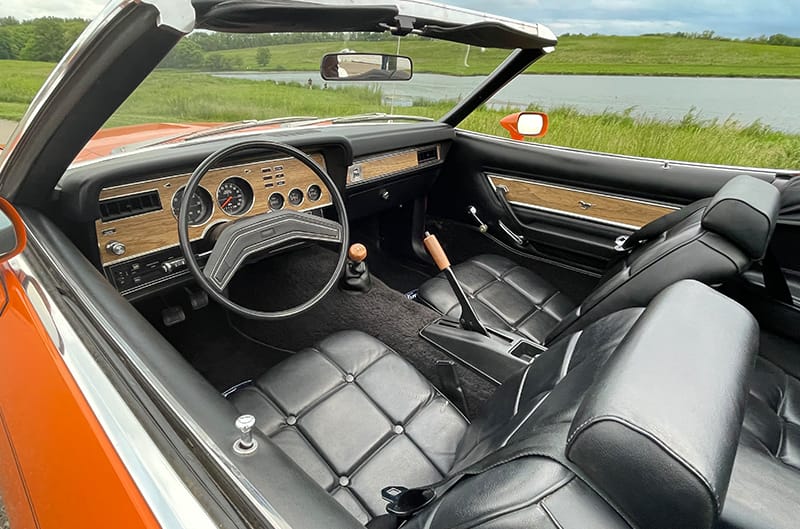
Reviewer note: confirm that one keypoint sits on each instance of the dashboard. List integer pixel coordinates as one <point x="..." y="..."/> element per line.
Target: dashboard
<point x="132" y="206"/>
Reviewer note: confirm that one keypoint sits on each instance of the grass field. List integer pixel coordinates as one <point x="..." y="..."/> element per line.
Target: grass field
<point x="606" y="55"/>
<point x="181" y="96"/>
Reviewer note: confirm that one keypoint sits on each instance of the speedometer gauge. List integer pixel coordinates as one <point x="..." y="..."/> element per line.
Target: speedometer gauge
<point x="199" y="205"/>
<point x="235" y="196"/>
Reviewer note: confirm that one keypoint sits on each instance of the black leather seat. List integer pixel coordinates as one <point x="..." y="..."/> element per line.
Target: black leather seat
<point x="607" y="428"/>
<point x="352" y="413"/>
<point x="765" y="486"/>
<point x="712" y="244"/>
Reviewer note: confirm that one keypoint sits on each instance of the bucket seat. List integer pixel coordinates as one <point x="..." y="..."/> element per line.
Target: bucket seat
<point x="710" y="241"/>
<point x="632" y="422"/>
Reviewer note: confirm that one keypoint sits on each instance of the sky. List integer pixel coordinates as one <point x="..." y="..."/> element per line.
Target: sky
<point x="730" y="18"/>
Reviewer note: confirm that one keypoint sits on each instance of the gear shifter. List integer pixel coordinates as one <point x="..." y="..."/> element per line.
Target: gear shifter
<point x="356" y="274"/>
<point x="469" y="320"/>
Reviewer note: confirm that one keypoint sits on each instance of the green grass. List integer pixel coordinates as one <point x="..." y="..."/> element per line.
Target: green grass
<point x="603" y="55"/>
<point x="183" y="97"/>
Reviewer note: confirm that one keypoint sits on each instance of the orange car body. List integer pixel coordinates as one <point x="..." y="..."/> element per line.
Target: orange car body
<point x="56" y="436"/>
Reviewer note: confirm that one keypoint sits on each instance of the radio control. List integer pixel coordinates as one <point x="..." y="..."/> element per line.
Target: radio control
<point x="173" y="265"/>
<point x="115" y="248"/>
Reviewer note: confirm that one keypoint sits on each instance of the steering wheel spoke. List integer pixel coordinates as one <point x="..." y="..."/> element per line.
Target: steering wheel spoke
<point x="246" y="237"/>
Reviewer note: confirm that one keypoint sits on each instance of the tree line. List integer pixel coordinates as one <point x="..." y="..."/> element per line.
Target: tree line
<point x="48" y="38"/>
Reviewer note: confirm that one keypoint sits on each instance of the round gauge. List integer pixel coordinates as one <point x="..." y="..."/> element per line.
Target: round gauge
<point x="235" y="196"/>
<point x="314" y="193"/>
<point x="275" y="201"/>
<point x="295" y="197"/>
<point x="200" y="205"/>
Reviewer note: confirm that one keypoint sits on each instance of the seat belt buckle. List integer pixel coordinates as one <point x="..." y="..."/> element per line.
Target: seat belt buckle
<point x="404" y="502"/>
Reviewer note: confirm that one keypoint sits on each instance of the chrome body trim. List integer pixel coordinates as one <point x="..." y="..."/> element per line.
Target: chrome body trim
<point x="199" y="436"/>
<point x="166" y="494"/>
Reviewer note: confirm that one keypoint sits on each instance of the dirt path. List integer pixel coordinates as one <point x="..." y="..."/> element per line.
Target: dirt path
<point x="6" y="128"/>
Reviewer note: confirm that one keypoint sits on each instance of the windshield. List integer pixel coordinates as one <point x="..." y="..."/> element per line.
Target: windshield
<point x="223" y="78"/>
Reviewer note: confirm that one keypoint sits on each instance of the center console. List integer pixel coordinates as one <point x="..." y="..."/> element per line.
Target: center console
<point x="496" y="355"/>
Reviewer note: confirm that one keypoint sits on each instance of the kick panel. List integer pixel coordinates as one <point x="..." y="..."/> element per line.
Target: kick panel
<point x="608" y="209"/>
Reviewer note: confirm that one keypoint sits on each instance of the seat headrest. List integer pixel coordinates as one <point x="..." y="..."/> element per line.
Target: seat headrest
<point x="744" y="210"/>
<point x="657" y="431"/>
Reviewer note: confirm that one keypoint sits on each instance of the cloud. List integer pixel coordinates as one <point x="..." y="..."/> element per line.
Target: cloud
<point x="24" y="9"/>
<point x="735" y="18"/>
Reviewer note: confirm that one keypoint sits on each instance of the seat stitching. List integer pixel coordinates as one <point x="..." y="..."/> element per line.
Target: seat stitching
<point x="550" y="515"/>
<point x="383" y="412"/>
<point x="655" y="439"/>
<point x="486" y="268"/>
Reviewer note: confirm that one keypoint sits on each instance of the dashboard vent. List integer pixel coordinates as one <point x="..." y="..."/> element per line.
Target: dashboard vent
<point x="129" y="205"/>
<point x="427" y="155"/>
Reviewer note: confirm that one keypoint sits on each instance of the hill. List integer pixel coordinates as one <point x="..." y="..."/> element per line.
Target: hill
<point x="602" y="55"/>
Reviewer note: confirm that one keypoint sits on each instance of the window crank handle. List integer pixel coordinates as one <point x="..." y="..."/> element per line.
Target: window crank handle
<point x="482" y="227"/>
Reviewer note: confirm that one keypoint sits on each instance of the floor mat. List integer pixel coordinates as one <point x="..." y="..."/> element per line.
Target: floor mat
<point x="383" y="312"/>
<point x="220" y="352"/>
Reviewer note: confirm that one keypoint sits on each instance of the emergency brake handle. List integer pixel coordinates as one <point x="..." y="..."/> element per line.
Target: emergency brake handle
<point x="469" y="320"/>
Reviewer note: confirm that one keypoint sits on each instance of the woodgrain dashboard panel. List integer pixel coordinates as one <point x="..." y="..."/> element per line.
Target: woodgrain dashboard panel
<point x="618" y="211"/>
<point x="155" y="230"/>
<point x="388" y="164"/>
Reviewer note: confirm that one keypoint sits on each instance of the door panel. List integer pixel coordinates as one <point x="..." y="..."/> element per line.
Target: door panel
<point x="580" y="204"/>
<point x="569" y="205"/>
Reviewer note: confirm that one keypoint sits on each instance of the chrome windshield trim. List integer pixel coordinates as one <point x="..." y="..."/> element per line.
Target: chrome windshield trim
<point x="201" y="438"/>
<point x="167" y="495"/>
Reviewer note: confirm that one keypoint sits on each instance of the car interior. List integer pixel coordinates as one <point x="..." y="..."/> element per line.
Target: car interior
<point x="584" y="376"/>
<point x="409" y="323"/>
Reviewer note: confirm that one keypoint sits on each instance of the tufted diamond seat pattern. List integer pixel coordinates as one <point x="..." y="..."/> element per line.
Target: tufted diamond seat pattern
<point x="764" y="492"/>
<point x="773" y="412"/>
<point x="505" y="296"/>
<point x="388" y="419"/>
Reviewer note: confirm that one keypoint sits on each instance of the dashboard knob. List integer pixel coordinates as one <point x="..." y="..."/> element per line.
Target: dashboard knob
<point x="115" y="248"/>
<point x="173" y="265"/>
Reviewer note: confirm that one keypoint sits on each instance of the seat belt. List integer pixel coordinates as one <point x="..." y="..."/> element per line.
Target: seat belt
<point x="403" y="503"/>
<point x="774" y="279"/>
<point x="660" y="225"/>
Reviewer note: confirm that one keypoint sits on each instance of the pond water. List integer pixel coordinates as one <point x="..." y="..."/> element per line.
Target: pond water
<point x="773" y="102"/>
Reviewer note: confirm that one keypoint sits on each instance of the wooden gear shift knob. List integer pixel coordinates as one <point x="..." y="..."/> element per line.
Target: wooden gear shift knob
<point x="357" y="253"/>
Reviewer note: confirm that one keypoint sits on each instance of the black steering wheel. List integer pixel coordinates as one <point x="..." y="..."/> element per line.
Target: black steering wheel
<point x="238" y="240"/>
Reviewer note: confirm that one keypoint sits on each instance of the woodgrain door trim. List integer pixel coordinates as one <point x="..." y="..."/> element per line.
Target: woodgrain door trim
<point x="612" y="210"/>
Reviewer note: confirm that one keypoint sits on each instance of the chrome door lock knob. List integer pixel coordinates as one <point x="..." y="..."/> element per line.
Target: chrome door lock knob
<point x="246" y="443"/>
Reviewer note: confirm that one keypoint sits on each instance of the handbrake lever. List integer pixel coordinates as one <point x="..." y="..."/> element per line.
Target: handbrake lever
<point x="469" y="320"/>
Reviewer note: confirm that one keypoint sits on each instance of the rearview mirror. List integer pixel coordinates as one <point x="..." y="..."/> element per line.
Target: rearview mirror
<point x="522" y="124"/>
<point x="365" y="67"/>
<point x="12" y="231"/>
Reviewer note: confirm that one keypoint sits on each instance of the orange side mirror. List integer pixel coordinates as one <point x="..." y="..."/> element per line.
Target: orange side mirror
<point x="526" y="124"/>
<point x="12" y="231"/>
